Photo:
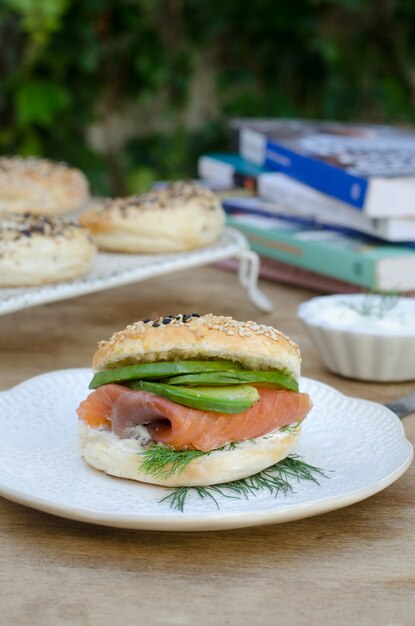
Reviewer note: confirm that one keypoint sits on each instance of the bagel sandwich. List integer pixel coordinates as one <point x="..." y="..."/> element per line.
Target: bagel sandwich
<point x="217" y="398"/>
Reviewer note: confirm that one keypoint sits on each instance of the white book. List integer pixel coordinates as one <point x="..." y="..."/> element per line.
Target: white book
<point x="209" y="168"/>
<point x="283" y="191"/>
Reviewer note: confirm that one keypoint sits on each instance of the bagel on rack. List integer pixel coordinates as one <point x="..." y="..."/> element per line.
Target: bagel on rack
<point x="40" y="186"/>
<point x="139" y="409"/>
<point x="179" y="217"/>
<point x="35" y="250"/>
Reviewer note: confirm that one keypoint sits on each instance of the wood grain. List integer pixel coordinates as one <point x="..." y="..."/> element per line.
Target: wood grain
<point x="354" y="565"/>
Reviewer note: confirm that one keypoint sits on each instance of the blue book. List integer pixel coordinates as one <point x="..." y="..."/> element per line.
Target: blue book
<point x="371" y="168"/>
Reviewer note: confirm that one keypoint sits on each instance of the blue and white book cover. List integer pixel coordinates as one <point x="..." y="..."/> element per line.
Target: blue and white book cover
<point x="336" y="158"/>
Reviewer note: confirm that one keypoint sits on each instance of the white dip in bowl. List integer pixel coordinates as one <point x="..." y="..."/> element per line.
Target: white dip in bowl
<point x="363" y="336"/>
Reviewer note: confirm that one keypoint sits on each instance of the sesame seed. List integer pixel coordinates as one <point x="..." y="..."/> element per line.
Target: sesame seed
<point x="221" y="324"/>
<point x="17" y="173"/>
<point x="176" y="195"/>
<point x="14" y="226"/>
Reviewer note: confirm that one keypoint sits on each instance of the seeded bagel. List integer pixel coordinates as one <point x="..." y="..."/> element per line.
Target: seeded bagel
<point x="181" y="216"/>
<point x="40" y="186"/>
<point x="35" y="250"/>
<point x="253" y="345"/>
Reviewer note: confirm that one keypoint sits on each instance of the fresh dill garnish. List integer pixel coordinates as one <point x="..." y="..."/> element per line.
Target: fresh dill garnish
<point x="276" y="479"/>
<point x="375" y="303"/>
<point x="290" y="428"/>
<point x="230" y="446"/>
<point x="162" y="462"/>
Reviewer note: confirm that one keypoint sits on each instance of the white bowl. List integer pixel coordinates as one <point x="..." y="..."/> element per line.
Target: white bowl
<point x="376" y="346"/>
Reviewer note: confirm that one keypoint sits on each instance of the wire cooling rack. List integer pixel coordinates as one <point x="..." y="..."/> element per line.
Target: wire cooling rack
<point x="113" y="270"/>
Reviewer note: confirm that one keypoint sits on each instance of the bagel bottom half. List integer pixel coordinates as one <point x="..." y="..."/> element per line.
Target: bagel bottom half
<point x="121" y="457"/>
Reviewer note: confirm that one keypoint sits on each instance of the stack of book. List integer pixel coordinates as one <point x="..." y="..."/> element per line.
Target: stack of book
<point x="332" y="205"/>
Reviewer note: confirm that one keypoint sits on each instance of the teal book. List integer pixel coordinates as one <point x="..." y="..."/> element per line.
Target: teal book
<point x="356" y="260"/>
<point x="229" y="169"/>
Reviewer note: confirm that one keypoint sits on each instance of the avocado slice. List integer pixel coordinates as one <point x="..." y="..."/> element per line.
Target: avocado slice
<point x="233" y="399"/>
<point x="161" y="369"/>
<point x="267" y="379"/>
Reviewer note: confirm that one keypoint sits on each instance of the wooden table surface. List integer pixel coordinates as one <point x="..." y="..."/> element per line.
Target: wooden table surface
<point x="351" y="566"/>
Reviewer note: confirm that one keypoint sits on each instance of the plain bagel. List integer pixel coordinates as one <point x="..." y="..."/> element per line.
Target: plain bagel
<point x="120" y="457"/>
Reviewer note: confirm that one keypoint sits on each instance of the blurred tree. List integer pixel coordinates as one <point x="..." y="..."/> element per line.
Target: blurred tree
<point x="134" y="90"/>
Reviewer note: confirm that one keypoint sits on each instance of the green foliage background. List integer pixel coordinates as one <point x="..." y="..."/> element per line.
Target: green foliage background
<point x="66" y="65"/>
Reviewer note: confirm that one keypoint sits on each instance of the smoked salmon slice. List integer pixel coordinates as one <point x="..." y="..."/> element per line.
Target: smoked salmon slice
<point x="185" y="428"/>
<point x="97" y="408"/>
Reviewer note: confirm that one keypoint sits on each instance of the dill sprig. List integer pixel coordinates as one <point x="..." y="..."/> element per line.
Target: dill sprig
<point x="277" y="479"/>
<point x="290" y="428"/>
<point x="162" y="461"/>
<point x="376" y="303"/>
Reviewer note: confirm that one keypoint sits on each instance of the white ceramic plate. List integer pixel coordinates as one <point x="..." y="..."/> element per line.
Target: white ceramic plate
<point x="361" y="444"/>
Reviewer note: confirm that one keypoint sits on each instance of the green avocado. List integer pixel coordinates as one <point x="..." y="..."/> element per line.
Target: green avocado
<point x="155" y="371"/>
<point x="281" y="380"/>
<point x="233" y="399"/>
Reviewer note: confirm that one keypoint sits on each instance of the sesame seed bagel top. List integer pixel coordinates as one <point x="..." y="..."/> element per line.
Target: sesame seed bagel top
<point x="194" y="337"/>
<point x="174" y="195"/>
<point x="40" y="186"/>
<point x="36" y="250"/>
<point x="16" y="226"/>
